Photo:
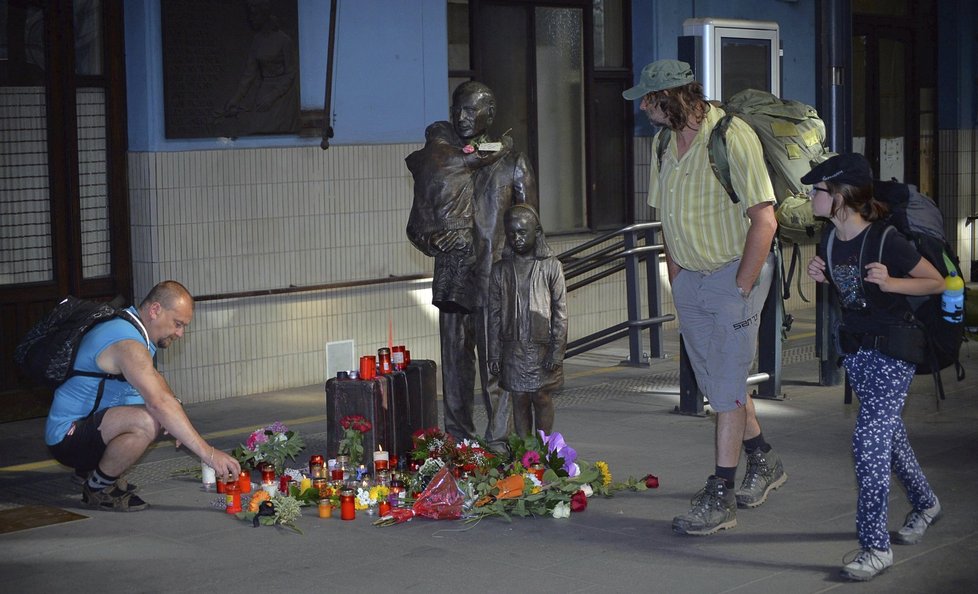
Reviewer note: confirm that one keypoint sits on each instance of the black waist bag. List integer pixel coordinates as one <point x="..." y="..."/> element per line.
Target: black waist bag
<point x="903" y="341"/>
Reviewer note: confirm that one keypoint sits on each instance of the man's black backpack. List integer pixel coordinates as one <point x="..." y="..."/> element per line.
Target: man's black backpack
<point x="47" y="352"/>
<point x="920" y="221"/>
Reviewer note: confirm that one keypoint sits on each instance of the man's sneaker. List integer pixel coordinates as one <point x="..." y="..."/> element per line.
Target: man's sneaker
<point x="112" y="498"/>
<point x="916" y="524"/>
<point x="868" y="564"/>
<point x="764" y="474"/>
<point x="714" y="508"/>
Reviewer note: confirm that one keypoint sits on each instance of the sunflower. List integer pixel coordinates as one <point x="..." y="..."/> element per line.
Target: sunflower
<point x="605" y="472"/>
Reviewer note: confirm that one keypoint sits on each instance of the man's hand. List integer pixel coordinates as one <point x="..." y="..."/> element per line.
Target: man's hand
<point x="494" y="367"/>
<point x="224" y="465"/>
<point x="446" y="241"/>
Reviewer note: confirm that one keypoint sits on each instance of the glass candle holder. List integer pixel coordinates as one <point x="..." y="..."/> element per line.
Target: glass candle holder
<point x="348" y="507"/>
<point x="267" y="470"/>
<point x="244" y="481"/>
<point x="316" y="466"/>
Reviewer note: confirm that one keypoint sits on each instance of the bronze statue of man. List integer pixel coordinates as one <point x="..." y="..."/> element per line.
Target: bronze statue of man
<point x="463" y="183"/>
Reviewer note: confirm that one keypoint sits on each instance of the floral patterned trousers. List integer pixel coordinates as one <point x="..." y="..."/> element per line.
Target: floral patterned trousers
<point x="880" y="445"/>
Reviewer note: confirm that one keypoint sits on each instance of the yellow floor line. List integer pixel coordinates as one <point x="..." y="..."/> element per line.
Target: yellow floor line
<point x="45" y="464"/>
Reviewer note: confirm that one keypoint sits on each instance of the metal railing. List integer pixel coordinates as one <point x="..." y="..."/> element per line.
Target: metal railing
<point x="626" y="249"/>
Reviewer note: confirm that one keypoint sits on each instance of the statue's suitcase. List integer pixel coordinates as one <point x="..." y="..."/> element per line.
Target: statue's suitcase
<point x="422" y="392"/>
<point x="368" y="398"/>
<point x="412" y="405"/>
<point x="396" y="404"/>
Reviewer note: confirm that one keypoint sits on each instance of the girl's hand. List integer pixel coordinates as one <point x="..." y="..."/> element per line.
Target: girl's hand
<point x="878" y="274"/>
<point x="816" y="269"/>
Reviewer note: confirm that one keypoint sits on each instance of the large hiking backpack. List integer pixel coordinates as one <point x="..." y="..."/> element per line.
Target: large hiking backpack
<point x="47" y="352"/>
<point x="793" y="140"/>
<point x="920" y="221"/>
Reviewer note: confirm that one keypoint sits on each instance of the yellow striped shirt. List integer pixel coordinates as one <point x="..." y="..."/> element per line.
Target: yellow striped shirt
<point x="703" y="229"/>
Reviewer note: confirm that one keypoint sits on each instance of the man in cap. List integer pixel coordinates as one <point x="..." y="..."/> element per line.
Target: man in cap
<point x="720" y="265"/>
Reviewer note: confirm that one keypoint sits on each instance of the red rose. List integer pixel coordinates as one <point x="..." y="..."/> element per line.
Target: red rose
<point x="651" y="481"/>
<point x="578" y="502"/>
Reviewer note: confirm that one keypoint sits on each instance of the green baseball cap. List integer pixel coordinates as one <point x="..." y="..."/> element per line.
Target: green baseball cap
<point x="660" y="75"/>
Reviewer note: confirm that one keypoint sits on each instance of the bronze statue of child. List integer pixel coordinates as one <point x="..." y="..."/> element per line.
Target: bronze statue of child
<point x="441" y="220"/>
<point x="527" y="329"/>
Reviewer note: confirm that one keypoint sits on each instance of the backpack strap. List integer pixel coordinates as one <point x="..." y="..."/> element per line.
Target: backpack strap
<point x="719" y="162"/>
<point x="135" y="321"/>
<point x="662" y="144"/>
<point x="717" y="151"/>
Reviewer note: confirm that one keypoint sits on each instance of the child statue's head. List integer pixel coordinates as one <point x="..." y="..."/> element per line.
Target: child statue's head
<point x="523" y="229"/>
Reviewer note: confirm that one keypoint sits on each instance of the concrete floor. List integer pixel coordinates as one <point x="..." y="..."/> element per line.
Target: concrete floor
<point x="793" y="543"/>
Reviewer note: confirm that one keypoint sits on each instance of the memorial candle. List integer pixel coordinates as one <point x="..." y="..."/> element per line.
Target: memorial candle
<point x="381" y="459"/>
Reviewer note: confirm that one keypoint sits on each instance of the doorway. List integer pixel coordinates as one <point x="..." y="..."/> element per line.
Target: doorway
<point x="894" y="91"/>
<point x="558" y="70"/>
<point x="64" y="221"/>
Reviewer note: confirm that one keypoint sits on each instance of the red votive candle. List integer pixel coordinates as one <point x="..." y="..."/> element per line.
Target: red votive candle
<point x="381" y="459"/>
<point x="244" y="481"/>
<point x="267" y="472"/>
<point x="348" y="508"/>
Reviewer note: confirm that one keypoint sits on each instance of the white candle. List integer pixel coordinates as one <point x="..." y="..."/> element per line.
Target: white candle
<point x="207" y="476"/>
<point x="381" y="459"/>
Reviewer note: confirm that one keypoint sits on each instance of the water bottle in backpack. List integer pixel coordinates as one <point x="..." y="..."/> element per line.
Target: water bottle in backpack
<point x="952" y="302"/>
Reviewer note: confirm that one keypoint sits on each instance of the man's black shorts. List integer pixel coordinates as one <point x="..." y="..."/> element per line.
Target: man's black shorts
<point x="82" y="447"/>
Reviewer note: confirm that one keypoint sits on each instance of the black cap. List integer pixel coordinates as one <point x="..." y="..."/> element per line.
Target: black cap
<point x="848" y="168"/>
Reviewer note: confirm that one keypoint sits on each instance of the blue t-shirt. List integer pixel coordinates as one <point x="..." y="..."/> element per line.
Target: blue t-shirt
<point x="73" y="399"/>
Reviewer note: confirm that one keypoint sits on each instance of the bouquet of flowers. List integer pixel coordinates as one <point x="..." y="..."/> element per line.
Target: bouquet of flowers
<point x="469" y="456"/>
<point x="466" y="455"/>
<point x="441" y="500"/>
<point x="354" y="426"/>
<point x="272" y="444"/>
<point x="432" y="443"/>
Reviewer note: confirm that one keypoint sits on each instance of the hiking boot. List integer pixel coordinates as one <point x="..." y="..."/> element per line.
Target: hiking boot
<point x="916" y="524"/>
<point x="112" y="498"/>
<point x="714" y="508"/>
<point x="868" y="564"/>
<point x="764" y="474"/>
<point x="80" y="477"/>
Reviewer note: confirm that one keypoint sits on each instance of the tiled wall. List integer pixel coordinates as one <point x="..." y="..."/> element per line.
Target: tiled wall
<point x="263" y="219"/>
<point x="958" y="197"/>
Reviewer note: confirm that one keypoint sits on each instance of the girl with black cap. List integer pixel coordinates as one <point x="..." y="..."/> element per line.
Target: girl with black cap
<point x="842" y="191"/>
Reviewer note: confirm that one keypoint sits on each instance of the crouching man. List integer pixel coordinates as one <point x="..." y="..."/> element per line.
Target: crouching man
<point x="101" y="427"/>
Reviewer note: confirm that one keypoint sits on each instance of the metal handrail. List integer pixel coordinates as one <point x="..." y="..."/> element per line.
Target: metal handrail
<point x="626" y="254"/>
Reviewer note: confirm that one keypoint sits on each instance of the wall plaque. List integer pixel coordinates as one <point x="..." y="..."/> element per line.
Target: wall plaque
<point x="230" y="67"/>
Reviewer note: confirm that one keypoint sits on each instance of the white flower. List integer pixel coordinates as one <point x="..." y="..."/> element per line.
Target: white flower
<point x="533" y="479"/>
<point x="363" y="496"/>
<point x="561" y="510"/>
<point x="588" y="491"/>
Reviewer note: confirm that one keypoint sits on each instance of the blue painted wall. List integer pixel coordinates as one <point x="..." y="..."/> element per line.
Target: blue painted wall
<point x="658" y="23"/>
<point x="390" y="73"/>
<point x="957" y="65"/>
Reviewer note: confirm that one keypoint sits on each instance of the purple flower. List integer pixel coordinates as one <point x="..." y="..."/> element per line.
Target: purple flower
<point x="555" y="443"/>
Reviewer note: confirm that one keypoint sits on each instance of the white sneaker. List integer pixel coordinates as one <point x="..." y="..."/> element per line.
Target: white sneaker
<point x="867" y="565"/>
<point x="916" y="524"/>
